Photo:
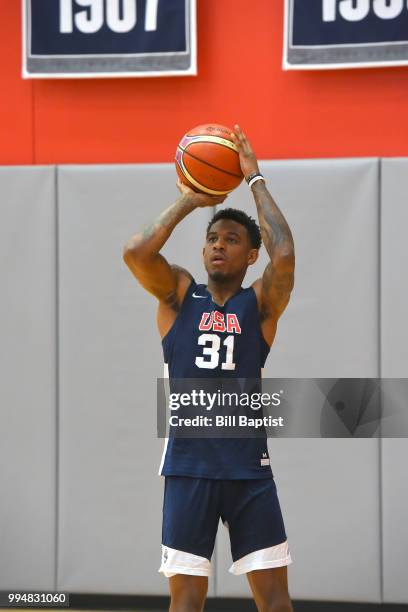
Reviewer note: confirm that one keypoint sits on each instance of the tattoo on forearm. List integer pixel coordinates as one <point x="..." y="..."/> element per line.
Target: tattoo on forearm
<point x="278" y="277"/>
<point x="148" y="232"/>
<point x="274" y="232"/>
<point x="172" y="215"/>
<point x="274" y="228"/>
<point x="160" y="230"/>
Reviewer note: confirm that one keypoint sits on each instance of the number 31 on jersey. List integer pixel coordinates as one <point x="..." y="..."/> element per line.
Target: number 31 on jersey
<point x="211" y="352"/>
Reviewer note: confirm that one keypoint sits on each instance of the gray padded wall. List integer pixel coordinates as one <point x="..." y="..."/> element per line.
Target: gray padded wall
<point x="110" y="356"/>
<point x="329" y="489"/>
<point x="394" y="341"/>
<point x="110" y="497"/>
<point x="28" y="372"/>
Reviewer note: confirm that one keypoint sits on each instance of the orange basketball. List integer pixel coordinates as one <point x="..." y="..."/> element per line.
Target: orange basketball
<point x="207" y="160"/>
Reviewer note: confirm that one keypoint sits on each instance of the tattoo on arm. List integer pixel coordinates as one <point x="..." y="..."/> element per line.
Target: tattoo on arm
<point x="172" y="301"/>
<point x="282" y="286"/>
<point x="148" y="232"/>
<point x="277" y="280"/>
<point x="275" y="230"/>
<point x="153" y="237"/>
<point x="180" y="270"/>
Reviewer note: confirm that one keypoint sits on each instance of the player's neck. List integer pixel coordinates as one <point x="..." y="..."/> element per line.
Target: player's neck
<point x="221" y="291"/>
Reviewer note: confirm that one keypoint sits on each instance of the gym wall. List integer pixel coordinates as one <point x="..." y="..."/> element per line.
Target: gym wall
<point x="81" y="499"/>
<point x="295" y="115"/>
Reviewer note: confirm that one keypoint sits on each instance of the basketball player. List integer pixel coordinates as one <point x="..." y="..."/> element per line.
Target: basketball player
<point x="231" y="479"/>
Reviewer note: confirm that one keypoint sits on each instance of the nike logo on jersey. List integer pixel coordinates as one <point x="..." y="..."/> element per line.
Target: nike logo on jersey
<point x="217" y="321"/>
<point x="199" y="296"/>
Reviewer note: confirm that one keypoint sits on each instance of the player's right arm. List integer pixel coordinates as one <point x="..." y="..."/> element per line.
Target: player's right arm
<point x="142" y="255"/>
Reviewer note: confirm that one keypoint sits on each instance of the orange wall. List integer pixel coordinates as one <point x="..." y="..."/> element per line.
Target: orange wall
<point x="286" y="114"/>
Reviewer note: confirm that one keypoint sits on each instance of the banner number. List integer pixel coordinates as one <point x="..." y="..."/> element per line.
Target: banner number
<point x="356" y="10"/>
<point x="119" y="15"/>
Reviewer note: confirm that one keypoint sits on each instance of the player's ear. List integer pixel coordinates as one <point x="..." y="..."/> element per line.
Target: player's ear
<point x="252" y="256"/>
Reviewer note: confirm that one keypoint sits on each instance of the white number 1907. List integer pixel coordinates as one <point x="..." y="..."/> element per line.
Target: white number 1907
<point x="119" y="15"/>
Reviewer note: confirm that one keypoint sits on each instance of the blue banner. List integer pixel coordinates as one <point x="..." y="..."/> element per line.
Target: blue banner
<point x="345" y="33"/>
<point x="109" y="37"/>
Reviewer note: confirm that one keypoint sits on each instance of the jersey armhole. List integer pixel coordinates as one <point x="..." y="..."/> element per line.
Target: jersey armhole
<point x="172" y="329"/>
<point x="267" y="347"/>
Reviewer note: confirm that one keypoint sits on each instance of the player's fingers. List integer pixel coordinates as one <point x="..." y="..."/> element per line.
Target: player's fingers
<point x="240" y="134"/>
<point x="244" y="144"/>
<point x="236" y="141"/>
<point x="182" y="187"/>
<point x="214" y="200"/>
<point x="246" y="147"/>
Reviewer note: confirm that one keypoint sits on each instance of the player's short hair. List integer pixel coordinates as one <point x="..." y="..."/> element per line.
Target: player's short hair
<point x="240" y="217"/>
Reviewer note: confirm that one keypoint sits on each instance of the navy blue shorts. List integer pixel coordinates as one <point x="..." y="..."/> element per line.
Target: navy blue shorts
<point x="250" y="510"/>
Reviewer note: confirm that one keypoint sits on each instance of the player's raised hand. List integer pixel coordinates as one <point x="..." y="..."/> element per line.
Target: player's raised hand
<point x="247" y="159"/>
<point x="199" y="200"/>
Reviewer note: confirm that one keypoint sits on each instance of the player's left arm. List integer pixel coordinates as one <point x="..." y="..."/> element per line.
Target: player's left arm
<point x="274" y="288"/>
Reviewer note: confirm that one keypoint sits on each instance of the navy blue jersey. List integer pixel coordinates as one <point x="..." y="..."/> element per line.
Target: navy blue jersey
<point x="212" y="341"/>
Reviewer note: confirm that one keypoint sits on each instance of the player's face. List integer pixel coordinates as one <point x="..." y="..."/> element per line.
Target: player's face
<point x="228" y="251"/>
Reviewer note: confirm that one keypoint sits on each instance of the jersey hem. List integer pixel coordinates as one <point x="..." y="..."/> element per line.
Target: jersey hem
<point x="226" y="476"/>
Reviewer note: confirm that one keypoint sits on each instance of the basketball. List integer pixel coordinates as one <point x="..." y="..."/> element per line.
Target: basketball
<point x="207" y="160"/>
